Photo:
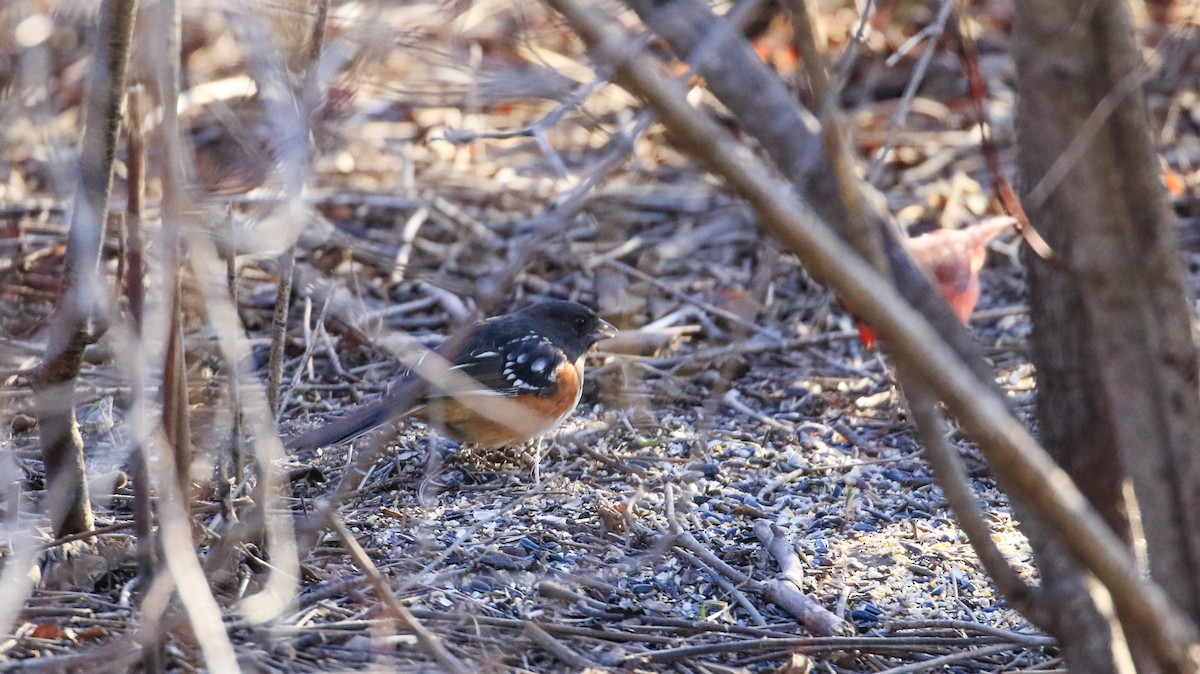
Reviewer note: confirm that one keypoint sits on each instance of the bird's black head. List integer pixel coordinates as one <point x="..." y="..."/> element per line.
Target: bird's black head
<point x="572" y="326"/>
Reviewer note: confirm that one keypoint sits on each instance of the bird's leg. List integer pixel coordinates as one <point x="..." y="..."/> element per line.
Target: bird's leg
<point x="535" y="449"/>
<point x="883" y="367"/>
<point x="428" y="488"/>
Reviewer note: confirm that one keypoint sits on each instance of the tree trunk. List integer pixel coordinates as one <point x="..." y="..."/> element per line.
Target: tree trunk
<point x="1117" y="375"/>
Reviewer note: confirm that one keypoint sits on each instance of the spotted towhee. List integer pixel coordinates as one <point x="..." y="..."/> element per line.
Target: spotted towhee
<point x="531" y="361"/>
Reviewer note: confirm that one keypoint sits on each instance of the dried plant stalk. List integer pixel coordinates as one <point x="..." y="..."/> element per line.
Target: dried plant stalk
<point x="74" y="324"/>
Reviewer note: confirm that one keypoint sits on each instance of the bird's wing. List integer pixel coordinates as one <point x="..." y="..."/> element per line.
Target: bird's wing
<point x="527" y="364"/>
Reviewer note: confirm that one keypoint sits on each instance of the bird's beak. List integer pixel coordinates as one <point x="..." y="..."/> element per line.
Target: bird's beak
<point x="605" y="330"/>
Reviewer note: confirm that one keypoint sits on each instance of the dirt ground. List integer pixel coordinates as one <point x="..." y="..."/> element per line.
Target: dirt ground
<point x="636" y="537"/>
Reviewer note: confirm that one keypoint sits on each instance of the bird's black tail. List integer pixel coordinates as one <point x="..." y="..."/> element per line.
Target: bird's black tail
<point x="392" y="407"/>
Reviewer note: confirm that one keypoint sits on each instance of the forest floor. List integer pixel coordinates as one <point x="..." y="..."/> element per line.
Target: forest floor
<point x="632" y="539"/>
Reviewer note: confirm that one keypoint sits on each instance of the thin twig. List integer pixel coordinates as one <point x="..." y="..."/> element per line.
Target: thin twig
<point x="732" y="399"/>
<point x="429" y="641"/>
<point x="933" y="34"/>
<point x="548" y="121"/>
<point x="816" y="645"/>
<point x="749" y="348"/>
<point x="684" y="297"/>
<point x="787" y="592"/>
<point x="729" y="26"/>
<point x="557" y="648"/>
<point x="967" y="626"/>
<point x="941" y="661"/>
<point x="84" y="535"/>
<point x="977" y="89"/>
<point x="279" y="320"/>
<point x="676" y="528"/>
<point x="461" y="617"/>
<point x="740" y="597"/>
